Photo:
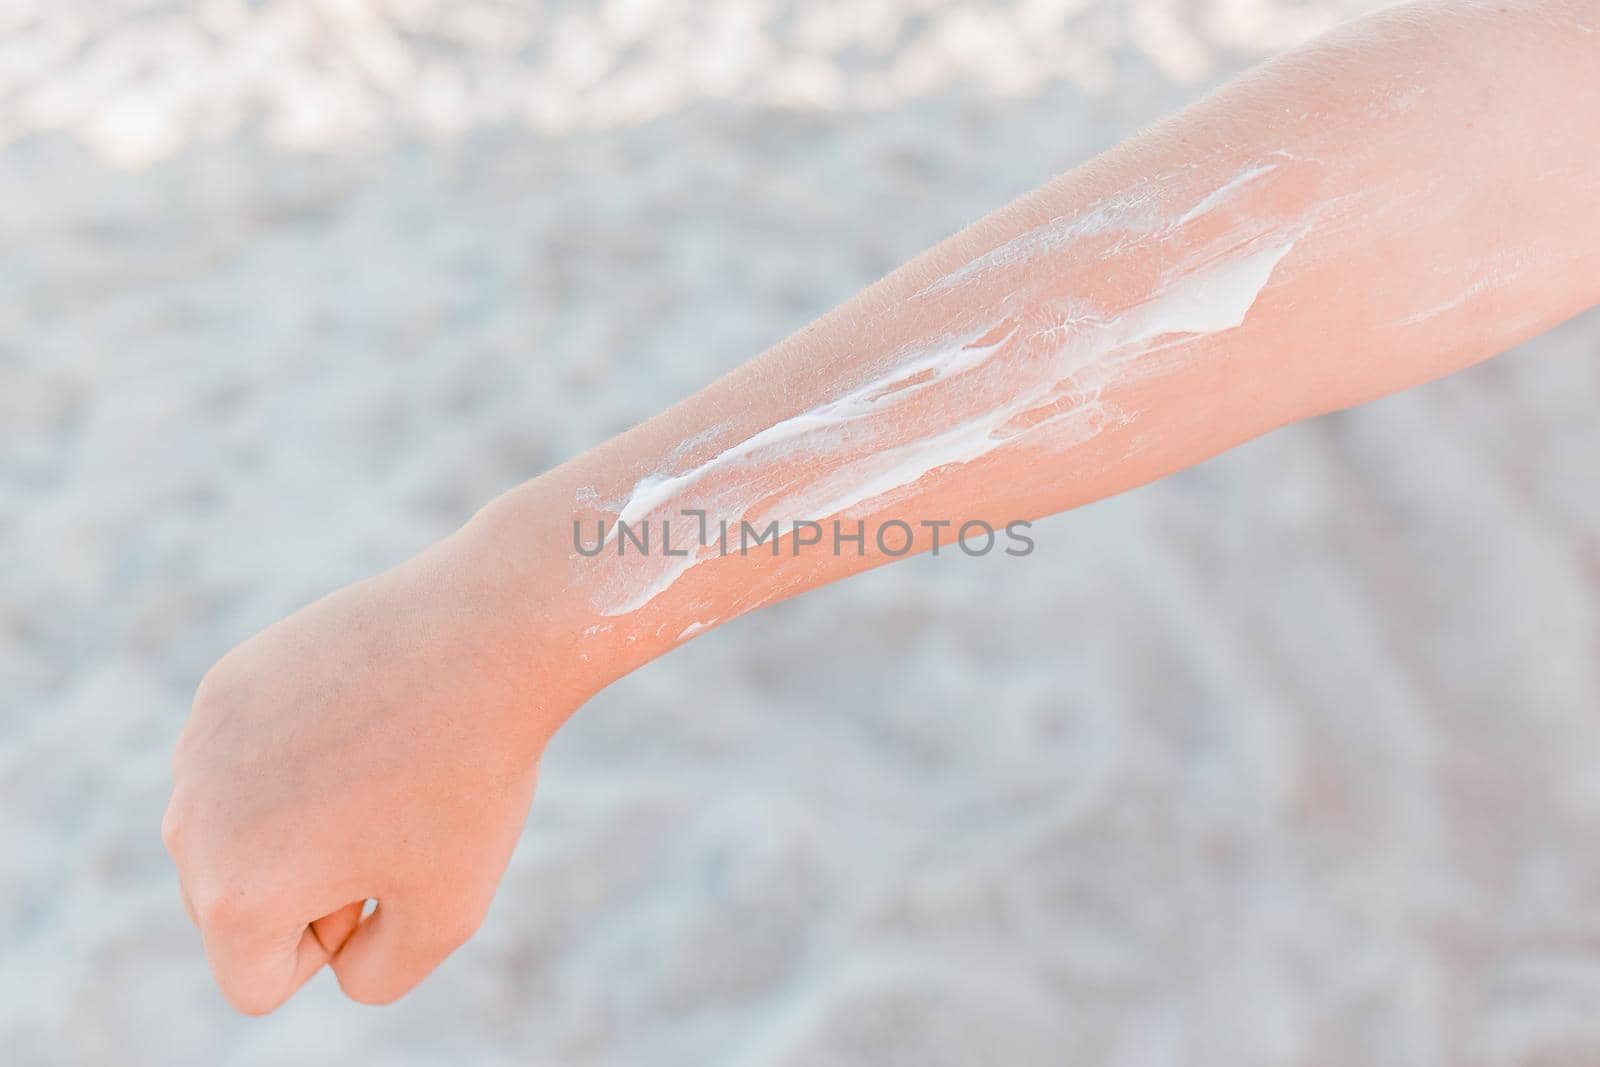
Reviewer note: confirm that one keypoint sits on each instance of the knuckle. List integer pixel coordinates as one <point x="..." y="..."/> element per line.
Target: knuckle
<point x="222" y="909"/>
<point x="171" y="828"/>
<point x="215" y="691"/>
<point x="209" y="691"/>
<point x="213" y="912"/>
<point x="179" y="764"/>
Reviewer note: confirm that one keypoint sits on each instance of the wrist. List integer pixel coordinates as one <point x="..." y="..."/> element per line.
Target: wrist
<point x="538" y="596"/>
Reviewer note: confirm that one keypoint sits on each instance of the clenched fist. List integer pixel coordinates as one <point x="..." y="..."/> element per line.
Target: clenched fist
<point x="381" y="744"/>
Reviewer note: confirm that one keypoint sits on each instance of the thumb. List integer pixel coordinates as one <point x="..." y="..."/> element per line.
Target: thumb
<point x="334" y="929"/>
<point x="259" y="967"/>
<point x="393" y="949"/>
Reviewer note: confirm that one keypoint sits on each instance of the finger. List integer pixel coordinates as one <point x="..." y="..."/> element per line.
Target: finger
<point x="169" y="839"/>
<point x="334" y="930"/>
<point x="394" y="949"/>
<point x="188" y="904"/>
<point x="259" y="966"/>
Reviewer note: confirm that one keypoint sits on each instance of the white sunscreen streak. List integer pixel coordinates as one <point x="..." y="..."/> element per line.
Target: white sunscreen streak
<point x="1501" y="275"/>
<point x="1217" y="198"/>
<point x="1120" y="213"/>
<point x="1209" y="300"/>
<point x="653" y="494"/>
<point x="955" y="401"/>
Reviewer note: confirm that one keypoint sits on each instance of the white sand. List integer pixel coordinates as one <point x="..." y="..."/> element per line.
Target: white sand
<point x="1289" y="759"/>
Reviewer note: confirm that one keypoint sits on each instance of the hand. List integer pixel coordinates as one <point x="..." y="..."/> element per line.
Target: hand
<point x="381" y="743"/>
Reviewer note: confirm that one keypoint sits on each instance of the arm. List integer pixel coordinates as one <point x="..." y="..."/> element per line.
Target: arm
<point x="1409" y="195"/>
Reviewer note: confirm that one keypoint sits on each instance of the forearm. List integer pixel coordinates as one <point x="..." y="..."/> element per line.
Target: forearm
<point x="1401" y="199"/>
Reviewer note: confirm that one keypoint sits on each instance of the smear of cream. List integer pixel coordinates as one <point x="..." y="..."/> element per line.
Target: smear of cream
<point x="1206" y="301"/>
<point x="1138" y="212"/>
<point x="1039" y="373"/>
<point x="655" y="493"/>
<point x="1503" y="271"/>
<point x="1216" y="199"/>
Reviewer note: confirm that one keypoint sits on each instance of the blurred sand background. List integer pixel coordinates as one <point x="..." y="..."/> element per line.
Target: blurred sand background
<point x="1290" y="759"/>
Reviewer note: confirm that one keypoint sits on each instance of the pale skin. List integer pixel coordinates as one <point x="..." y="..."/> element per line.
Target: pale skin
<point x="1403" y="198"/>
